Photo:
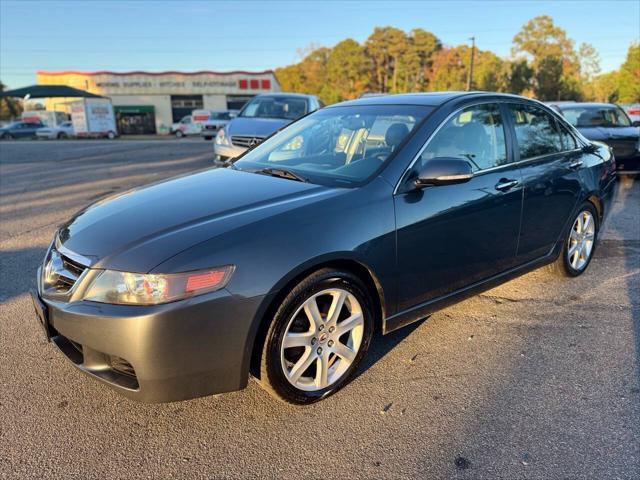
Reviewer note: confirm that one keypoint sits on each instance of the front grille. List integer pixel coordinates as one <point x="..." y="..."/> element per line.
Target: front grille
<point x="60" y="273"/>
<point x="246" y="141"/>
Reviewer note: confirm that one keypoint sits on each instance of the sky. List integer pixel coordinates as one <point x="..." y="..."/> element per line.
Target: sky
<point x="206" y="35"/>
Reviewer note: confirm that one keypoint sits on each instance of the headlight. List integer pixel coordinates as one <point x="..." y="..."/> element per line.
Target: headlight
<point x="222" y="139"/>
<point x="151" y="289"/>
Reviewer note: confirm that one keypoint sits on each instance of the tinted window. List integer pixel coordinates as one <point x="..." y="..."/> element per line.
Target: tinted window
<point x="476" y="134"/>
<point x="535" y="130"/>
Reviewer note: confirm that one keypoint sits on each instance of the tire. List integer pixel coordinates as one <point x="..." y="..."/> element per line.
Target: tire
<point x="316" y="343"/>
<point x="179" y="134"/>
<point x="580" y="243"/>
<point x="111" y="135"/>
<point x="62" y="136"/>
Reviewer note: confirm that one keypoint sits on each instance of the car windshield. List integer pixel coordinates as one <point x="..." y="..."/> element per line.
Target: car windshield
<point x="337" y="145"/>
<point x="596" y="116"/>
<point x="275" y="107"/>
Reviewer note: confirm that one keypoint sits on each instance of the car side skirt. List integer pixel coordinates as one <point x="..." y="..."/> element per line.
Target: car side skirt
<point x="423" y="310"/>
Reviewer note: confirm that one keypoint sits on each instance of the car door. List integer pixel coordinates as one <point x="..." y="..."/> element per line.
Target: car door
<point x="549" y="159"/>
<point x="21" y="130"/>
<point x="449" y="237"/>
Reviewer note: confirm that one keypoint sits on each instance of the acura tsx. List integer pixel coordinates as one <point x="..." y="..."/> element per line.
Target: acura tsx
<point x="359" y="218"/>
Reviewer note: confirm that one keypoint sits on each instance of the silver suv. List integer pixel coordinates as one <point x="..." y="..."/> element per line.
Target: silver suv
<point x="259" y="118"/>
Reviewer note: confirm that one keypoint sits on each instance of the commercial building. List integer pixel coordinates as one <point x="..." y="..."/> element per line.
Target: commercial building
<point x="149" y="102"/>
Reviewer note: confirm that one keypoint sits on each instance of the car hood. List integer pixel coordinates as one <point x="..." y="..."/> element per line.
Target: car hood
<point x="615" y="133"/>
<point x="139" y="229"/>
<point x="257" y="127"/>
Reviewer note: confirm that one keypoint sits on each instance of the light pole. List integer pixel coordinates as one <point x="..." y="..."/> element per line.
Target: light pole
<point x="470" y="71"/>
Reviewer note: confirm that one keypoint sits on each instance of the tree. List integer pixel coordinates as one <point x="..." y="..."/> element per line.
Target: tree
<point x="347" y="72"/>
<point x="9" y="107"/>
<point x="589" y="61"/>
<point x="385" y="47"/>
<point x="448" y="70"/>
<point x="520" y="77"/>
<point x="629" y="77"/>
<point x="553" y="59"/>
<point x="604" y="88"/>
<point x="540" y="38"/>
<point x="417" y="60"/>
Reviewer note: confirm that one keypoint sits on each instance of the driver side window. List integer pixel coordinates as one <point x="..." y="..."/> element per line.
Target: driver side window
<point x="476" y="134"/>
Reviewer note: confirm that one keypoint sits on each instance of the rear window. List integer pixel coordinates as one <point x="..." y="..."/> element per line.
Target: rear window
<point x="596" y="116"/>
<point x="290" y="108"/>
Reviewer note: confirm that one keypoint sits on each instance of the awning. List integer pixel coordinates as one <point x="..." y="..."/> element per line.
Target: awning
<point x="48" y="91"/>
<point x="133" y="109"/>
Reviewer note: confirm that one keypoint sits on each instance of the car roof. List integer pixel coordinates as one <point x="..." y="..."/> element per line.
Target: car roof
<point x="285" y="94"/>
<point x="560" y="105"/>
<point x="433" y="99"/>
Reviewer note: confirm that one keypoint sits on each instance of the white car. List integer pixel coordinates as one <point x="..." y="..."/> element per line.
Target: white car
<point x="186" y="126"/>
<point x="215" y="122"/>
<point x="64" y="130"/>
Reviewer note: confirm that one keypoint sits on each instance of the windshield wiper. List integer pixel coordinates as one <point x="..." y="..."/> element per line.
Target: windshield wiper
<point x="282" y="173"/>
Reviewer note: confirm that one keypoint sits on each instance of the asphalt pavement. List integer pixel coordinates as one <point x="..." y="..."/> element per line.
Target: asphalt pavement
<point x="538" y="378"/>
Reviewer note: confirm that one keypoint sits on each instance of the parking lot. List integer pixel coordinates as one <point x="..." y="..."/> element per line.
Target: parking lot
<point x="539" y="378"/>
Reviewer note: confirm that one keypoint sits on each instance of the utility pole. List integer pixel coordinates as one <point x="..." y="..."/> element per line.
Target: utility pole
<point x="470" y="71"/>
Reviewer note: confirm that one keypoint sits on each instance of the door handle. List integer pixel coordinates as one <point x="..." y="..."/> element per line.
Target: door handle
<point x="506" y="184"/>
<point x="575" y="164"/>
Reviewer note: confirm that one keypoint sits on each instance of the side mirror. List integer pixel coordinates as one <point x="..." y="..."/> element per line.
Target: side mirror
<point x="444" y="171"/>
<point x="636" y="123"/>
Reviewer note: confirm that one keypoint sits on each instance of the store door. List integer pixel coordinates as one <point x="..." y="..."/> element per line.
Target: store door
<point x="136" y="120"/>
<point x="183" y="105"/>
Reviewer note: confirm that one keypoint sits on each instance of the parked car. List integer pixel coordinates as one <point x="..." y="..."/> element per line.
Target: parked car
<point x="364" y="216"/>
<point x="64" y="130"/>
<point x="186" y="126"/>
<point x="259" y="118"/>
<point x="608" y="123"/>
<point x="20" y="130"/>
<point x="633" y="110"/>
<point x="216" y="121"/>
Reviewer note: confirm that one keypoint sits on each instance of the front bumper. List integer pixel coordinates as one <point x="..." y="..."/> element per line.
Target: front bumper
<point x="191" y="348"/>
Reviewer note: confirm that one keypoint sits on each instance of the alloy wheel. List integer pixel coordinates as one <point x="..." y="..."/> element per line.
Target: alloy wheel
<point x="581" y="240"/>
<point x="322" y="339"/>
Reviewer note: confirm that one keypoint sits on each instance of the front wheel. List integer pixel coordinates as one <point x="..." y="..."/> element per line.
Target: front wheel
<point x="317" y="338"/>
<point x="179" y="134"/>
<point x="111" y="135"/>
<point x="580" y="243"/>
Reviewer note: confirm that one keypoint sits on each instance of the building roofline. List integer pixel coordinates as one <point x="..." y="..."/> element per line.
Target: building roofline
<point x="141" y="72"/>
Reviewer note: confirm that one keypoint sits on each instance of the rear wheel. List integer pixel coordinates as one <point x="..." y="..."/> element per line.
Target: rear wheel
<point x="111" y="135"/>
<point x="580" y="243"/>
<point x="62" y="135"/>
<point x="318" y="336"/>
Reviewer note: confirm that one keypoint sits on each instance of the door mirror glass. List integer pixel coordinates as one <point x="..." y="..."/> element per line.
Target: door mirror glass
<point x="444" y="171"/>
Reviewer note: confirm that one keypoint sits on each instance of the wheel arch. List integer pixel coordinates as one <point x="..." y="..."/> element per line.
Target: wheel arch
<point x="282" y="288"/>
